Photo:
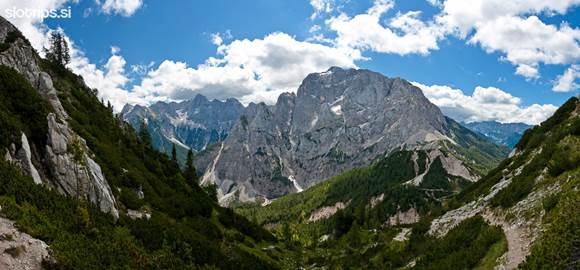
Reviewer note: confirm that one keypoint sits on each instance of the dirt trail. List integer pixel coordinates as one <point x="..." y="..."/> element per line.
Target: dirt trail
<point x="518" y="238"/>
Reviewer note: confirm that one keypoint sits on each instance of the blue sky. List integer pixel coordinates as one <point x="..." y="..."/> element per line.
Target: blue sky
<point x="142" y="51"/>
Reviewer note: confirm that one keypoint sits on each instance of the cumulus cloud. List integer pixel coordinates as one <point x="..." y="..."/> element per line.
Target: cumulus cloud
<point x="510" y="28"/>
<point x="404" y="34"/>
<point x="250" y="70"/>
<point x="462" y="17"/>
<point x="121" y="7"/>
<point x="527" y="42"/>
<point x="567" y="81"/>
<point x="485" y="104"/>
<point x="513" y="29"/>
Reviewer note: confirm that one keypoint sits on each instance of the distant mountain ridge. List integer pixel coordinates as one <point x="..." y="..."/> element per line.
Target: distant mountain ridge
<point x="338" y="120"/>
<point x="507" y="134"/>
<point x="192" y="124"/>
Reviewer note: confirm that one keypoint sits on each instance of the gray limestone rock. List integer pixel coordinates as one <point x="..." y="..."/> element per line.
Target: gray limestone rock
<point x="338" y="120"/>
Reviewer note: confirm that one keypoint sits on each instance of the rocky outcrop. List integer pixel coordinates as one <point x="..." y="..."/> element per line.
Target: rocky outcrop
<point x="138" y="214"/>
<point x="74" y="172"/>
<point x="338" y="120"/>
<point x="23" y="158"/>
<point x="20" y="251"/>
<point x="452" y="165"/>
<point x="327" y="211"/>
<point x="403" y="235"/>
<point x="404" y="217"/>
<point x="64" y="162"/>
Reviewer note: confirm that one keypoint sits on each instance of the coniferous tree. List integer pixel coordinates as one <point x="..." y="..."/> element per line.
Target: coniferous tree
<point x="190" y="172"/>
<point x="58" y="51"/>
<point x="144" y="135"/>
<point x="173" y="153"/>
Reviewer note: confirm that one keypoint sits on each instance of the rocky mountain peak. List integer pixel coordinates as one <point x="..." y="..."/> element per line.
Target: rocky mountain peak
<point x="338" y="119"/>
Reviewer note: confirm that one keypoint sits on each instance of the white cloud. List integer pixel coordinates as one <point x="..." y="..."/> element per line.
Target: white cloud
<point x="511" y="28"/>
<point x="250" y="70"/>
<point x="514" y="29"/>
<point x="528" y="71"/>
<point x="216" y="39"/>
<point x="219" y="38"/>
<point x="405" y="33"/>
<point x="109" y="80"/>
<point x="527" y="42"/>
<point x="121" y="7"/>
<point x="567" y="81"/>
<point x="462" y="16"/>
<point x="142" y="69"/>
<point x="115" y="50"/>
<point x="435" y="3"/>
<point x="314" y="28"/>
<point x="321" y="6"/>
<point x="486" y="103"/>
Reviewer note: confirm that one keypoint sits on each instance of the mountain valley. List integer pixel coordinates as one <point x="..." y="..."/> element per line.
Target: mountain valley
<point x="356" y="170"/>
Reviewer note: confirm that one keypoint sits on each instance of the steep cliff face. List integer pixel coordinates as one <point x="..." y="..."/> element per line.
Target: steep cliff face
<point x="192" y="124"/>
<point x="338" y="120"/>
<point x="64" y="161"/>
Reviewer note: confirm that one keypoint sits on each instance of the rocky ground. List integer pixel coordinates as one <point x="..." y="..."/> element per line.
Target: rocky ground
<point x="19" y="250"/>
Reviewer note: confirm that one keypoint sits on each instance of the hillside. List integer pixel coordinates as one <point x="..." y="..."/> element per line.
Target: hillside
<point x="93" y="192"/>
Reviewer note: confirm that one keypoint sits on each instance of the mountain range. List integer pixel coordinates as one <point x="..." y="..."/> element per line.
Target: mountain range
<point x="355" y="171"/>
<point x="194" y="124"/>
<point x="507" y="134"/>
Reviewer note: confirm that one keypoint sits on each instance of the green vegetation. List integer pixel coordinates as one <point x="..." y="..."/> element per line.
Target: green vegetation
<point x="462" y="248"/>
<point x="473" y="147"/>
<point x="58" y="52"/>
<point x="288" y="216"/>
<point x="558" y="153"/>
<point x="495" y="251"/>
<point x="11" y="37"/>
<point x="21" y="109"/>
<point x="187" y="229"/>
<point x="356" y="238"/>
<point x="557" y="248"/>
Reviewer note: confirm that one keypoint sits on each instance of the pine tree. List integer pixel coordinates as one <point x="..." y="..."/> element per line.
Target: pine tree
<point x="144" y="135"/>
<point x="173" y="153"/>
<point x="58" y="51"/>
<point x="190" y="172"/>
